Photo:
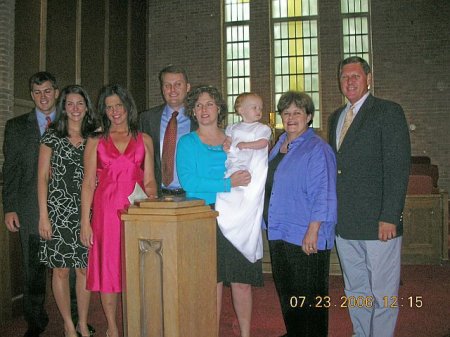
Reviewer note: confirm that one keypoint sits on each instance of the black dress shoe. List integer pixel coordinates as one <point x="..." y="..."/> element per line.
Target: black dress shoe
<point x="90" y="328"/>
<point x="33" y="332"/>
<point x="75" y="322"/>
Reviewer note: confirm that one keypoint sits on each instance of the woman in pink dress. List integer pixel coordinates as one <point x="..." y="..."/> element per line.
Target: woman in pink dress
<point x="114" y="161"/>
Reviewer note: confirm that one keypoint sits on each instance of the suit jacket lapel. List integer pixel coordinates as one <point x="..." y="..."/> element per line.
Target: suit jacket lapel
<point x="157" y="125"/>
<point x="33" y="125"/>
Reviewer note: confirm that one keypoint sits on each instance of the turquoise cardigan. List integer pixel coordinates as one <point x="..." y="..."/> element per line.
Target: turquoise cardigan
<point x="201" y="168"/>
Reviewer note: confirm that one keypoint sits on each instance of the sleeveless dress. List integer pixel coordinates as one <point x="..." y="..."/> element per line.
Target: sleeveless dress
<point x="64" y="250"/>
<point x="117" y="174"/>
<point x="240" y="210"/>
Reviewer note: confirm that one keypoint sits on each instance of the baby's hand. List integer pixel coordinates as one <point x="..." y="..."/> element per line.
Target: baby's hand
<point x="241" y="145"/>
<point x="227" y="144"/>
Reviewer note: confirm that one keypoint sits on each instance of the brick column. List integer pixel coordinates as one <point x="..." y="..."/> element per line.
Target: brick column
<point x="6" y="112"/>
<point x="6" y="65"/>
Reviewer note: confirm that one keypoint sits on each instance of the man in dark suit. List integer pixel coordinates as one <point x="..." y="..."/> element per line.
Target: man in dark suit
<point x="174" y="88"/>
<point x="371" y="140"/>
<point x="21" y="151"/>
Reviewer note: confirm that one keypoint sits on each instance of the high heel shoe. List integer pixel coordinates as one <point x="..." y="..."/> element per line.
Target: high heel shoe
<point x="90" y="329"/>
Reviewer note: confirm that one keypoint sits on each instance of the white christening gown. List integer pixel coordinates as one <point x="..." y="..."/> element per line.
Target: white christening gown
<point x="240" y="210"/>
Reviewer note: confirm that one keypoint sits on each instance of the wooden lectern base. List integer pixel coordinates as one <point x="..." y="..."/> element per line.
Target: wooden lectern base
<point x="169" y="269"/>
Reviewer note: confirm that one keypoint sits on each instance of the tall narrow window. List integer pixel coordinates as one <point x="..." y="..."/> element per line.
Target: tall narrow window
<point x="355" y="28"/>
<point x="296" y="50"/>
<point x="237" y="39"/>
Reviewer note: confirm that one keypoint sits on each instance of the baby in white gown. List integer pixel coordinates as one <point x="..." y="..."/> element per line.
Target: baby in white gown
<point x="240" y="210"/>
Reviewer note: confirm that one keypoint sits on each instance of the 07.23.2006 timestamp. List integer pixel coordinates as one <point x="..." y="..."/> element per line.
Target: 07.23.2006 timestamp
<point x="356" y="302"/>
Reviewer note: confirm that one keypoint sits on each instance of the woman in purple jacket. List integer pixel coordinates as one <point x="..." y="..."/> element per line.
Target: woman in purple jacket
<point x="300" y="214"/>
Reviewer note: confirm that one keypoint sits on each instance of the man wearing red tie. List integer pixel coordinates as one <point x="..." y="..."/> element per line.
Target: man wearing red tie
<point x="166" y="123"/>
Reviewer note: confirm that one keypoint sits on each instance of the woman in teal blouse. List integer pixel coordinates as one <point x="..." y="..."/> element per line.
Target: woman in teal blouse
<point x="201" y="169"/>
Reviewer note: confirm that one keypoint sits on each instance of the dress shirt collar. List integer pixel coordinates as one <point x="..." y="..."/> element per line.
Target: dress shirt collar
<point x="300" y="139"/>
<point x="309" y="133"/>
<point x="168" y="111"/>
<point x="358" y="104"/>
<point x="41" y="116"/>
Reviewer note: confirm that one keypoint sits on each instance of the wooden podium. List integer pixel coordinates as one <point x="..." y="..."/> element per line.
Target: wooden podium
<point x="169" y="269"/>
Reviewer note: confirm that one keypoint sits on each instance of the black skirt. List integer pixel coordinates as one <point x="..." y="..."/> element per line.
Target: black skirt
<point x="233" y="267"/>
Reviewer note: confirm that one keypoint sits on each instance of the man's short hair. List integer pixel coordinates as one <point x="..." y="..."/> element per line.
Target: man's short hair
<point x="354" y="59"/>
<point x="172" y="69"/>
<point x="41" y="77"/>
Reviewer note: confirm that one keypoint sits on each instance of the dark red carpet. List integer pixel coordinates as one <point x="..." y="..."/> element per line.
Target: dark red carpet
<point x="430" y="284"/>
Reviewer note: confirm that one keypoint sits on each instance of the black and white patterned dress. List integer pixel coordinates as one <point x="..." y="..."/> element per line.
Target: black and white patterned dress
<point x="64" y="250"/>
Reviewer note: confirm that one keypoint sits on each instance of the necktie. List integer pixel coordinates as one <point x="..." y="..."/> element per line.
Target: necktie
<point x="168" y="151"/>
<point x="49" y="121"/>
<point x="347" y="122"/>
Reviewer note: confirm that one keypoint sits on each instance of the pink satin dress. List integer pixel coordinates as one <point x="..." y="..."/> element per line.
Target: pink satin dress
<point x="117" y="174"/>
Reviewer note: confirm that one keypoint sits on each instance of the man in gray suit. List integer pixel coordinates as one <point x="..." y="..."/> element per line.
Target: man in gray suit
<point x="21" y="150"/>
<point x="174" y="85"/>
<point x="371" y="140"/>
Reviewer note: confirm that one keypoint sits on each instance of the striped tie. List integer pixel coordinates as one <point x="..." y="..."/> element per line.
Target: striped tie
<point x="168" y="152"/>
<point x="347" y="122"/>
<point x="49" y="121"/>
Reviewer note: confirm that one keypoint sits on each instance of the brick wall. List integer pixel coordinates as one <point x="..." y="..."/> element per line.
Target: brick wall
<point x="6" y="64"/>
<point x="411" y="53"/>
<point x="411" y="58"/>
<point x="188" y="34"/>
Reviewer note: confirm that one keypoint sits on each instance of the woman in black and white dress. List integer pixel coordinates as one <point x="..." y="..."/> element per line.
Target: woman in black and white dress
<point x="60" y="174"/>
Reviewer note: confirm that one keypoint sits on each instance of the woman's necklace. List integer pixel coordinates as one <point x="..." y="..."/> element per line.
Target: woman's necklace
<point x="285" y="146"/>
